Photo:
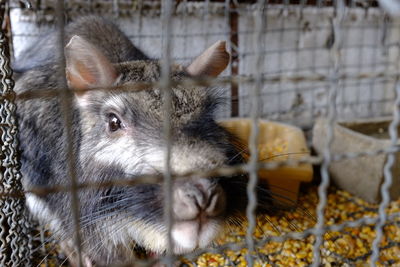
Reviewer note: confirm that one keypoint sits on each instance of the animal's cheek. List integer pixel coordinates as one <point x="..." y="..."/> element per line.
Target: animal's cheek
<point x="88" y="123"/>
<point x="121" y="151"/>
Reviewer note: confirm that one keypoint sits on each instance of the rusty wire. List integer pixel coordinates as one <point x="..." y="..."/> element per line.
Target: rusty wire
<point x="66" y="100"/>
<point x="254" y="134"/>
<point x="336" y="24"/>
<point x="167" y="133"/>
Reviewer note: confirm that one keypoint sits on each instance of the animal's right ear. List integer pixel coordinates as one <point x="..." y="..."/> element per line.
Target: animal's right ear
<point x="211" y="62"/>
<point x="87" y="67"/>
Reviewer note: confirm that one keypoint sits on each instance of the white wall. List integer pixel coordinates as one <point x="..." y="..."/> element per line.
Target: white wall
<point x="295" y="44"/>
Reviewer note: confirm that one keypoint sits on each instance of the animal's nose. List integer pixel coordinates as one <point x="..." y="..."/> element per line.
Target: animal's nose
<point x="197" y="197"/>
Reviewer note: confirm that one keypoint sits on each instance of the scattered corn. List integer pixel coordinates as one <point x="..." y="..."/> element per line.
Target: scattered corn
<point x="350" y="247"/>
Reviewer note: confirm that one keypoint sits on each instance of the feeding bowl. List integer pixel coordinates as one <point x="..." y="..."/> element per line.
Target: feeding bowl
<point x="361" y="176"/>
<point x="276" y="142"/>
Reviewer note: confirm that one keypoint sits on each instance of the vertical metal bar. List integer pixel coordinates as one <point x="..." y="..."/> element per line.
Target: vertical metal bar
<point x="185" y="18"/>
<point x="115" y="5"/>
<point x="280" y="69"/>
<point x="386" y="27"/>
<point x="140" y="26"/>
<point x="388" y="178"/>
<point x="206" y="22"/>
<point x="378" y="44"/>
<point x="296" y="115"/>
<point x="360" y="68"/>
<point x="346" y="34"/>
<point x="234" y="45"/>
<point x="167" y="97"/>
<point x="327" y="155"/>
<point x="253" y="141"/>
<point x="392" y="25"/>
<point x="65" y="97"/>
<point x="228" y="32"/>
<point x="313" y="68"/>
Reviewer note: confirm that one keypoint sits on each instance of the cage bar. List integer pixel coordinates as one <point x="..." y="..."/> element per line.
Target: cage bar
<point x="167" y="105"/>
<point x="253" y="140"/>
<point x="65" y="96"/>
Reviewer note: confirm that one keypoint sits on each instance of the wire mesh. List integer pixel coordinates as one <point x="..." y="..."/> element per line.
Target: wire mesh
<point x="66" y="103"/>
<point x="322" y="190"/>
<point x="167" y="98"/>
<point x="254" y="136"/>
<point x="291" y="61"/>
<point x="387" y="182"/>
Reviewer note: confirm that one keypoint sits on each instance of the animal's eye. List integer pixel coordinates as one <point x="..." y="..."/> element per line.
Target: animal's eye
<point x="114" y="123"/>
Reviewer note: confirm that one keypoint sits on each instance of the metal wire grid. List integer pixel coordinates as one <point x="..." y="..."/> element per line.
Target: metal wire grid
<point x="167" y="98"/>
<point x="313" y="58"/>
<point x="334" y="79"/>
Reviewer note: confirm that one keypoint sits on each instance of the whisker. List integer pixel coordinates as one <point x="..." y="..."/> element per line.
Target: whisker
<point x="283" y="154"/>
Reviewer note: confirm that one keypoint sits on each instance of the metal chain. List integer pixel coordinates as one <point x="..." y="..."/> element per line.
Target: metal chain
<point x="14" y="237"/>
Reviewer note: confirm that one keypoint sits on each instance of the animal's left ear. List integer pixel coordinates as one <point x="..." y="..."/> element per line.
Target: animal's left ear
<point x="211" y="62"/>
<point x="86" y="66"/>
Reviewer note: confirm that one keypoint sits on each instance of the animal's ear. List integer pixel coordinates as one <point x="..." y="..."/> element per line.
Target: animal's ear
<point x="86" y="66"/>
<point x="211" y="62"/>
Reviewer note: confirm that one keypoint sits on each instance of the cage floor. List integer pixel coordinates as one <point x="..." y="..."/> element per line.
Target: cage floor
<point x="349" y="247"/>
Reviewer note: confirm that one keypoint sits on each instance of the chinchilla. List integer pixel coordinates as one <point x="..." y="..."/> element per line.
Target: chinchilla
<point x="119" y="135"/>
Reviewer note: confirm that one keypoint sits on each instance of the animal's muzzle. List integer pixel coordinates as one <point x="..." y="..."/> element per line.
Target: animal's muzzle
<point x="197" y="198"/>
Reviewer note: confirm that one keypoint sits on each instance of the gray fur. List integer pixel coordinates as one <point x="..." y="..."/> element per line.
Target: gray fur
<point x="115" y="218"/>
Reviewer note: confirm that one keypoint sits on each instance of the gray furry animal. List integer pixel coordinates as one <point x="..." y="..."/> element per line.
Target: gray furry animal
<point x="118" y="135"/>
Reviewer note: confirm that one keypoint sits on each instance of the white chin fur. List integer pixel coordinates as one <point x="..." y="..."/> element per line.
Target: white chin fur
<point x="189" y="235"/>
<point x="43" y="213"/>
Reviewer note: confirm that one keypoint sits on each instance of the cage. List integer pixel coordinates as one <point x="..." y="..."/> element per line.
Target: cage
<point x="292" y="61"/>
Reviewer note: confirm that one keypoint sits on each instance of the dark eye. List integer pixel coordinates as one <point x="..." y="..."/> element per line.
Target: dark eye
<point x="114" y="123"/>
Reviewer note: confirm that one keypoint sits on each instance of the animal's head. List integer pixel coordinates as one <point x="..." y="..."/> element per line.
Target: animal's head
<point x="122" y="137"/>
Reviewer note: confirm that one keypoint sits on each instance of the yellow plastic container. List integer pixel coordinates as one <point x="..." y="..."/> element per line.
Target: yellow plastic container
<point x="276" y="142"/>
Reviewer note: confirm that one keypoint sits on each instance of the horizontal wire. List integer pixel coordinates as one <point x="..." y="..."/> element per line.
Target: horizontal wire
<point x="206" y="82"/>
<point x="217" y="172"/>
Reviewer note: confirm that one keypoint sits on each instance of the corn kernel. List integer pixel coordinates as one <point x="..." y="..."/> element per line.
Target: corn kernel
<point x="349" y="243"/>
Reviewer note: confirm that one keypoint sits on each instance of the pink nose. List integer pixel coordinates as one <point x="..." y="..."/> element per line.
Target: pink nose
<point x="198" y="197"/>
